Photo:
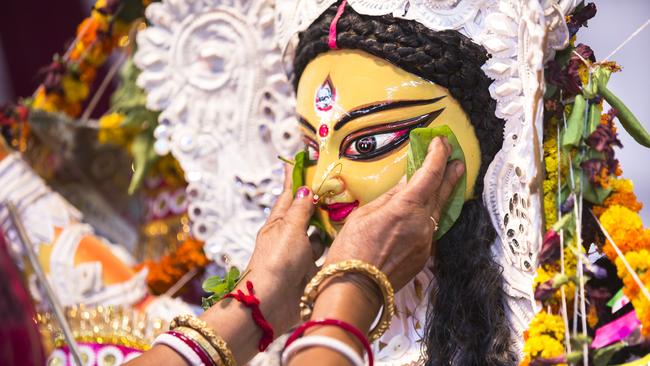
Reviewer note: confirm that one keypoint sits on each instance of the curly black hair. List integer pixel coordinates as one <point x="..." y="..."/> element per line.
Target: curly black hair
<point x="467" y="323"/>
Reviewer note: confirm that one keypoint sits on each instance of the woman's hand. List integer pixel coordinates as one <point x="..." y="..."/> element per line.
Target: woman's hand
<point x="395" y="231"/>
<point x="281" y="264"/>
<point x="284" y="258"/>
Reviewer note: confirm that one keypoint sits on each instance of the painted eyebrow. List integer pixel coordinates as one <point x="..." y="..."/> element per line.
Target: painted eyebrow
<point x="381" y="106"/>
<point x="306" y="124"/>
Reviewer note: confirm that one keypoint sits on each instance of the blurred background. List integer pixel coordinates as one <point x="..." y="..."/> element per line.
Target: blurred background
<point x="31" y="31"/>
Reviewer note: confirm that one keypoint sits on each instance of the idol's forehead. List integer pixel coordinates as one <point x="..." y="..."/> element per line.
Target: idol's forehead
<point x="359" y="79"/>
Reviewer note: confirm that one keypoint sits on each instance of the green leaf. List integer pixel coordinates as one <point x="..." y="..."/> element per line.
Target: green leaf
<point x="603" y="355"/>
<point x="595" y="110"/>
<point x="232" y="277"/>
<point x="212" y="282"/>
<point x="144" y="156"/>
<point x="592" y="193"/>
<point x="298" y="173"/>
<point x="575" y="122"/>
<point x="629" y="121"/>
<point x="420" y="138"/>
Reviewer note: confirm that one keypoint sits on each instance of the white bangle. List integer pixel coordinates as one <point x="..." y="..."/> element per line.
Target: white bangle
<point x="322" y="341"/>
<point x="179" y="347"/>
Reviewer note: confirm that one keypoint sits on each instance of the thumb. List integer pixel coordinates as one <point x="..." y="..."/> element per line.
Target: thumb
<point x="302" y="207"/>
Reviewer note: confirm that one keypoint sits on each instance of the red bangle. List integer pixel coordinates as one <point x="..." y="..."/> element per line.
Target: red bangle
<point x="298" y="332"/>
<point x="253" y="303"/>
<point x="203" y="355"/>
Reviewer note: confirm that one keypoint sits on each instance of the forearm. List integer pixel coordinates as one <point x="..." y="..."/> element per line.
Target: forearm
<point x="233" y="322"/>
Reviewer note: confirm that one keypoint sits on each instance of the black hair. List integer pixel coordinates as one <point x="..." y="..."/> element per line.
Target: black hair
<point x="466" y="321"/>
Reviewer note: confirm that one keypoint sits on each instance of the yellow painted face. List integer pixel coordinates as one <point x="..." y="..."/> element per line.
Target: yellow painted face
<point x="356" y="111"/>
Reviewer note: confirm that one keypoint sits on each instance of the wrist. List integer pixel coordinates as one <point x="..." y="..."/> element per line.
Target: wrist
<point x="348" y="298"/>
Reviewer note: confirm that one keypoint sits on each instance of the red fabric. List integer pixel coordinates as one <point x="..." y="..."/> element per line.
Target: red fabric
<point x="337" y="323"/>
<point x="332" y="36"/>
<point x="252" y="302"/>
<point x="20" y="340"/>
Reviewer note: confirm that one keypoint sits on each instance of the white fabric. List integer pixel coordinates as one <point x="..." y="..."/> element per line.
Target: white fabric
<point x="41" y="211"/>
<point x="322" y="341"/>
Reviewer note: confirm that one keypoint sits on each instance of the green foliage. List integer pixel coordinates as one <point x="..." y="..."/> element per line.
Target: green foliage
<point x="603" y="355"/>
<point x="629" y="121"/>
<point x="220" y="287"/>
<point x="131" y="101"/>
<point x="575" y="123"/>
<point x="420" y="138"/>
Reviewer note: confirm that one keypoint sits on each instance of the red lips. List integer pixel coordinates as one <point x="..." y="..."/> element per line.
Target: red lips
<point x="339" y="211"/>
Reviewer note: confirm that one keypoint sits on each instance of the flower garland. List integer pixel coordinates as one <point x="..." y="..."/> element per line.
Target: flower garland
<point x="68" y="79"/>
<point x="619" y="215"/>
<point x="580" y="165"/>
<point x="166" y="272"/>
<point x="544" y="339"/>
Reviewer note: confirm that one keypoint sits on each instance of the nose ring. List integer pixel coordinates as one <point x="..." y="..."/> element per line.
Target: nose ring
<point x="435" y="224"/>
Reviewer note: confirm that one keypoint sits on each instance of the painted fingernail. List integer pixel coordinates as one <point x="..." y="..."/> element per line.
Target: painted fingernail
<point x="302" y="192"/>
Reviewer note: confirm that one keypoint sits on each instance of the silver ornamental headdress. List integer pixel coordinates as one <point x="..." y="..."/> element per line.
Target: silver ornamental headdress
<point x="519" y="35"/>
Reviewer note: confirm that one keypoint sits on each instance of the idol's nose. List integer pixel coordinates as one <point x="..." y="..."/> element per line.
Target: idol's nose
<point x="332" y="186"/>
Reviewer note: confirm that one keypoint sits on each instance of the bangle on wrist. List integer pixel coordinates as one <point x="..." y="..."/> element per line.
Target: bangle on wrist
<point x="322" y="341"/>
<point x="191" y="352"/>
<point x="298" y="332"/>
<point x="353" y="266"/>
<point x="202" y="328"/>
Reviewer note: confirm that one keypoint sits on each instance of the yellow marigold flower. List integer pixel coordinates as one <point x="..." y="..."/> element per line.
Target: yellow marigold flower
<point x="110" y="130"/>
<point x="75" y="91"/>
<point x="623" y="185"/>
<point x="619" y="220"/>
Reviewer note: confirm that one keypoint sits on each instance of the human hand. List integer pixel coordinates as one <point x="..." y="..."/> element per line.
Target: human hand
<point x="283" y="258"/>
<point x="395" y="231"/>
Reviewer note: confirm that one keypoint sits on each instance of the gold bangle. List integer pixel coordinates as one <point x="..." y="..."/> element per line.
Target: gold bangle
<point x="203" y="342"/>
<point x="352" y="266"/>
<point x="204" y="330"/>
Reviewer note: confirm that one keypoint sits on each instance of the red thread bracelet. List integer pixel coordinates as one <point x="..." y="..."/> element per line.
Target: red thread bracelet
<point x="337" y="323"/>
<point x="252" y="302"/>
<point x="203" y="355"/>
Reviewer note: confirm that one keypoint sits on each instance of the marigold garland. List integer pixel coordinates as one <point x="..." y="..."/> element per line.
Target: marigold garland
<point x="169" y="270"/>
<point x="68" y="79"/>
<point x="619" y="216"/>
<point x="544" y="339"/>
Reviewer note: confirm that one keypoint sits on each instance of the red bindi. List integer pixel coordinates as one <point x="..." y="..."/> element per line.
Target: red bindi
<point x="323" y="130"/>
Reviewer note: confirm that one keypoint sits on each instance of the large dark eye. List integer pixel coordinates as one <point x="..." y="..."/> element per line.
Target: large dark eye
<point x="366" y="144"/>
<point x="370" y="146"/>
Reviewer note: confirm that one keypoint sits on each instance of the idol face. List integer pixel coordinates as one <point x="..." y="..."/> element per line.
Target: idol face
<point x="356" y="112"/>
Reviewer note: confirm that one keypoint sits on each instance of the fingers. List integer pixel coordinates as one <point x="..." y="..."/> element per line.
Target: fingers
<point x="302" y="208"/>
<point x="426" y="181"/>
<point x="453" y="173"/>
<point x="286" y="197"/>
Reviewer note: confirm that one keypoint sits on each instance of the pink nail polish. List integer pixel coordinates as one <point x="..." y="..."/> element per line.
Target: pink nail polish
<point x="302" y="192"/>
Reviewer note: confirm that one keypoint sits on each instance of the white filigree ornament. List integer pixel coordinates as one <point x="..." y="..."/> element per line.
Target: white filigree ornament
<point x="214" y="71"/>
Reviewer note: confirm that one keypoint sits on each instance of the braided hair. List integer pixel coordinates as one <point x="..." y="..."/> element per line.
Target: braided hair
<point x="466" y="321"/>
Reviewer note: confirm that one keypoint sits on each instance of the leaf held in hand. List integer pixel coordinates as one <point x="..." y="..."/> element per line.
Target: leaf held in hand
<point x="420" y="138"/>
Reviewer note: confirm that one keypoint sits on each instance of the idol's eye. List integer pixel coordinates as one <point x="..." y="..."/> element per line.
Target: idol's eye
<point x="311" y="148"/>
<point x="375" y="141"/>
<point x="370" y="146"/>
